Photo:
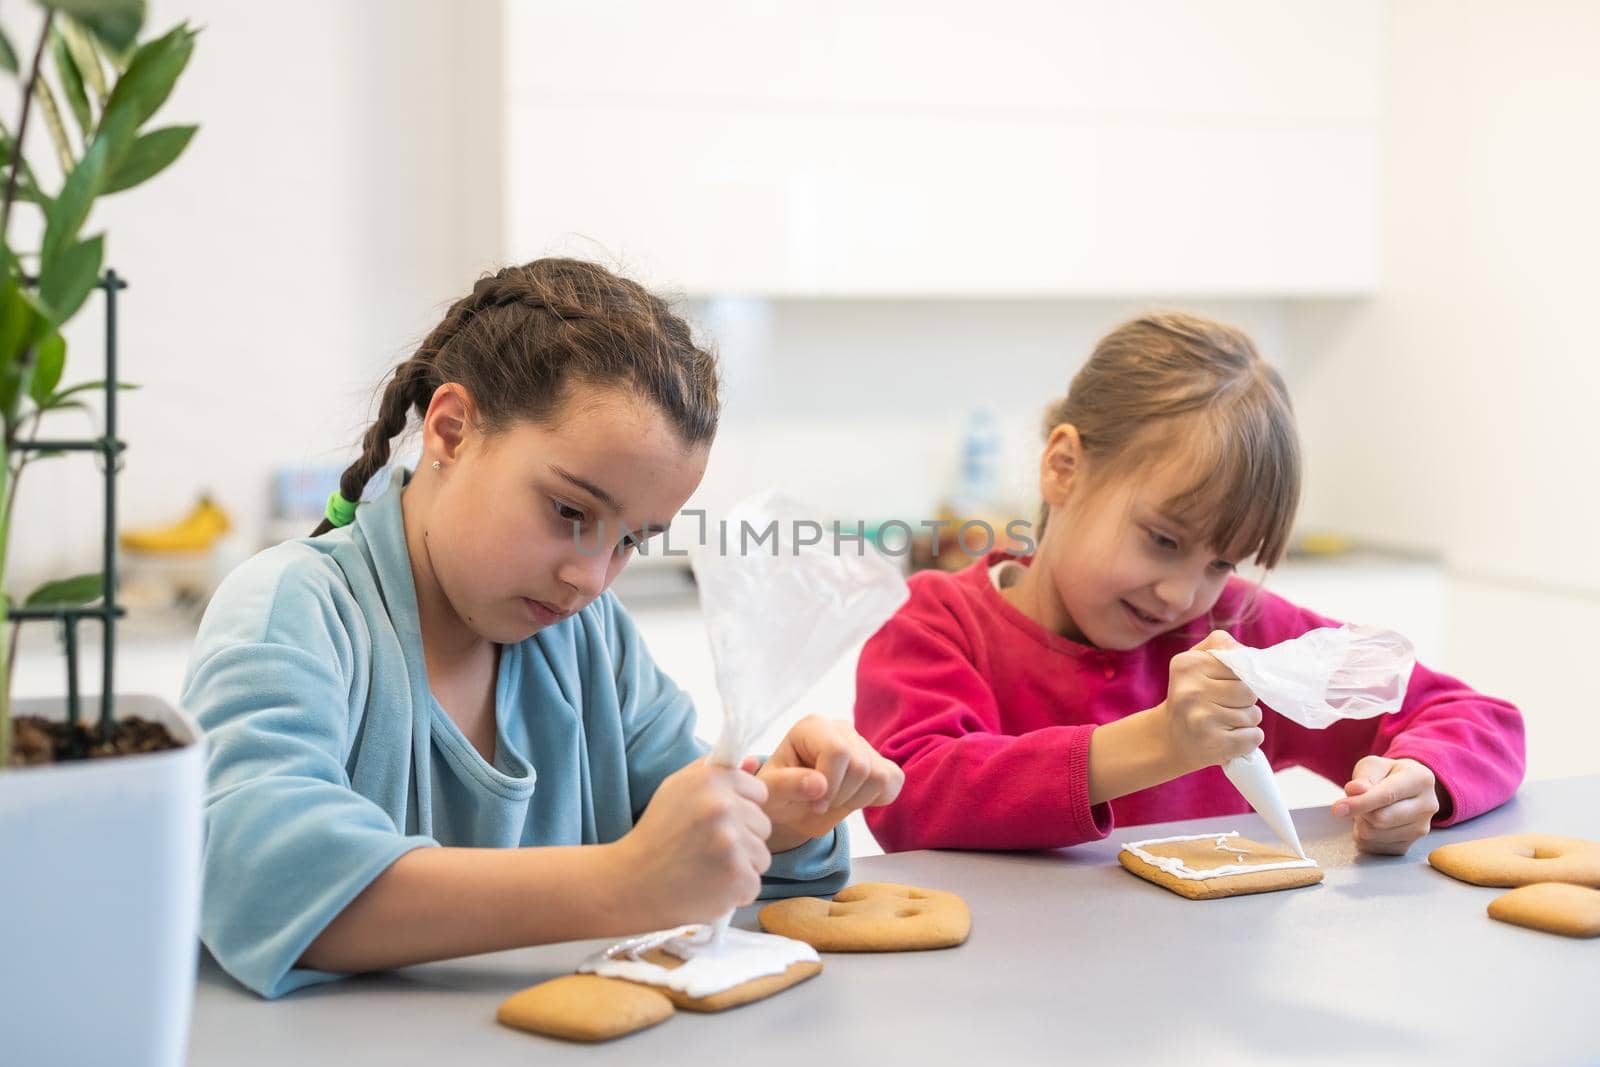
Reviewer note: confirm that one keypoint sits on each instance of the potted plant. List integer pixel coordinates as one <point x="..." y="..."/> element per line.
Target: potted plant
<point x="99" y="857"/>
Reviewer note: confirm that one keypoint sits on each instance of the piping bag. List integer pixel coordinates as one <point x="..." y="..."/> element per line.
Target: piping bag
<point x="782" y="601"/>
<point x="1316" y="679"/>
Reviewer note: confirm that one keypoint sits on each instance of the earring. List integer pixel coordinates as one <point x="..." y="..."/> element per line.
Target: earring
<point x="435" y="464"/>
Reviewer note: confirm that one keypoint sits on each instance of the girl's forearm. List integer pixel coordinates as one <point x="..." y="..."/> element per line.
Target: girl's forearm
<point x="1129" y="755"/>
<point x="437" y="903"/>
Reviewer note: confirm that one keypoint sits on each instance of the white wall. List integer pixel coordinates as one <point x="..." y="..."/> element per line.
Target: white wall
<point x="1454" y="413"/>
<point x="342" y="189"/>
<point x="858" y="406"/>
<point x="892" y="149"/>
<point x="346" y="184"/>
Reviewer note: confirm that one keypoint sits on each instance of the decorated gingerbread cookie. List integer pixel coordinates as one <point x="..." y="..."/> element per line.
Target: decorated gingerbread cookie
<point x="702" y="969"/>
<point x="639" y="982"/>
<point x="1206" y="866"/>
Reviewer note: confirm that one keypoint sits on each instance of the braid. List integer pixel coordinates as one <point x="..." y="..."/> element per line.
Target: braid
<point x="512" y="285"/>
<point x="398" y="399"/>
<point x="411" y="386"/>
<point x="407" y="388"/>
<point x="523" y="334"/>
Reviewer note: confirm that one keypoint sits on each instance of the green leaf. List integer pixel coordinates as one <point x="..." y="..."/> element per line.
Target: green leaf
<point x="71" y="84"/>
<point x="13" y="321"/>
<point x="52" y="120"/>
<point x="116" y="22"/>
<point x="149" y="155"/>
<point x="24" y="324"/>
<point x="148" y="81"/>
<point x="66" y="279"/>
<point x="117" y="59"/>
<point x="28" y="194"/>
<point x="83" y="387"/>
<point x="27" y="184"/>
<point x="10" y="384"/>
<point x="8" y="55"/>
<point x="49" y="360"/>
<point x="68" y="592"/>
<point x="65" y="217"/>
<point x="86" y="57"/>
<point x="41" y="318"/>
<point x="19" y="315"/>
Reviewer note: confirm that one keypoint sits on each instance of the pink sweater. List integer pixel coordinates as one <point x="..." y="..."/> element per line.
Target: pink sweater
<point x="989" y="714"/>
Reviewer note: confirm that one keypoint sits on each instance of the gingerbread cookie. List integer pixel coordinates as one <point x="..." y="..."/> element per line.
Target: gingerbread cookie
<point x="743" y="993"/>
<point x="1555" y="907"/>
<point x="1521" y="859"/>
<point x="639" y="982"/>
<point x="1207" y="866"/>
<point x="872" y="917"/>
<point x="585" y="1007"/>
<point x="701" y="969"/>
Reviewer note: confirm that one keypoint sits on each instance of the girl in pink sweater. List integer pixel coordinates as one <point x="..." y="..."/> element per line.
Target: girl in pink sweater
<point x="1036" y="701"/>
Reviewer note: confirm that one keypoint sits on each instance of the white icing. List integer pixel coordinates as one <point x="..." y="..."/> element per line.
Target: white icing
<point x="1223" y="846"/>
<point x="1179" y="869"/>
<point x="1252" y="776"/>
<point x="711" y="963"/>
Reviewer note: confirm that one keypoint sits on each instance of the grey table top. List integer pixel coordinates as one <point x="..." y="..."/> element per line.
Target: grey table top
<point x="1071" y="958"/>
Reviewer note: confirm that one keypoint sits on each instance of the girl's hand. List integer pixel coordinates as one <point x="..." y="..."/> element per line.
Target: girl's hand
<point x="1211" y="716"/>
<point x="822" y="772"/>
<point x="1393" y="802"/>
<point x="700" y="848"/>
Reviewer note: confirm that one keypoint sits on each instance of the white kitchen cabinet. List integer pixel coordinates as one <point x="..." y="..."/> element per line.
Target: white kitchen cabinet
<point x="887" y="149"/>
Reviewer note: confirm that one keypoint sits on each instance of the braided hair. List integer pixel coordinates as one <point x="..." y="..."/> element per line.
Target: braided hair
<point x="525" y="335"/>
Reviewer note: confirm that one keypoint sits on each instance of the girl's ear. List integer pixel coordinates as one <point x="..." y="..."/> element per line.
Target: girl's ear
<point x="1061" y="465"/>
<point x="449" y="422"/>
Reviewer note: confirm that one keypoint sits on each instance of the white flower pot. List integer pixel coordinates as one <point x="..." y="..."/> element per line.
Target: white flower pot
<point x="100" y="898"/>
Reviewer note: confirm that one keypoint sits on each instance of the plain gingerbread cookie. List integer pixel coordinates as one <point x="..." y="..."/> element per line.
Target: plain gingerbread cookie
<point x="872" y="917"/>
<point x="585" y="1007"/>
<point x="1555" y="907"/>
<point x="1521" y="859"/>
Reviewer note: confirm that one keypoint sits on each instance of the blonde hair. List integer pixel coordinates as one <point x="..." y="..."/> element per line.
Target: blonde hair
<point x="1180" y="388"/>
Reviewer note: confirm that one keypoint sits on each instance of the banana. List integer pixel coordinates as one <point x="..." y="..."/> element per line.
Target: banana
<point x="196" y="532"/>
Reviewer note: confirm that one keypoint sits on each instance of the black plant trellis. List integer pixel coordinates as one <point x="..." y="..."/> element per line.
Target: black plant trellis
<point x="107" y="610"/>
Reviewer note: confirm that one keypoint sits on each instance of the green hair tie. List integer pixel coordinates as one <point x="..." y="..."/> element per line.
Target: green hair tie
<point x="340" y="512"/>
